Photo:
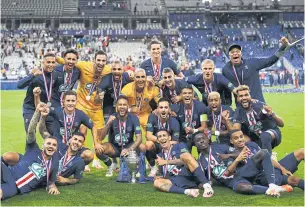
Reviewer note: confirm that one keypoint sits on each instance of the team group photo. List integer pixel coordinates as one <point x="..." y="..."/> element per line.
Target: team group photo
<point x="152" y="103"/>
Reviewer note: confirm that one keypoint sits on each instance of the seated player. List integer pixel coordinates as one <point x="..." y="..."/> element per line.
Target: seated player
<point x="255" y="159"/>
<point x="71" y="163"/>
<point x="171" y="86"/>
<point x="223" y="173"/>
<point x="122" y="128"/>
<point x="190" y="114"/>
<point x="140" y="96"/>
<point x="67" y="120"/>
<point x="260" y="121"/>
<point x="216" y="123"/>
<point x="208" y="81"/>
<point x="156" y="122"/>
<point x="177" y="178"/>
<point x="36" y="166"/>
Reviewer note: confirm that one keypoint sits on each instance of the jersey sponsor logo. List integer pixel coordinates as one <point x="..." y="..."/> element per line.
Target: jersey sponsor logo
<point x="88" y="86"/>
<point x="64" y="87"/>
<point x="230" y="85"/>
<point x="231" y="149"/>
<point x="149" y="125"/>
<point x="176" y="134"/>
<point x="38" y="170"/>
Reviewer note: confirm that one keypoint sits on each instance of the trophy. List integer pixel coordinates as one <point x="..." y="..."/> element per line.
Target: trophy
<point x="132" y="162"/>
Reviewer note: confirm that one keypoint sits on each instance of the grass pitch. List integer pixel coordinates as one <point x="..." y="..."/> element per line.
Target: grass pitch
<point x="95" y="189"/>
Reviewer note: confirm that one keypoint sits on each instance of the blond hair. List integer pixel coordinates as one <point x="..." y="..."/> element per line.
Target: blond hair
<point x="241" y="88"/>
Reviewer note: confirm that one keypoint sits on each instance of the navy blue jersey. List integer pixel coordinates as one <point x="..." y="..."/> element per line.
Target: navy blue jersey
<point x="107" y="85"/>
<point x="31" y="171"/>
<point x="169" y="94"/>
<point x="69" y="166"/>
<point x="58" y="128"/>
<point x="172" y="125"/>
<point x="217" y="166"/>
<point x="122" y="133"/>
<point x="220" y="84"/>
<point x="188" y="72"/>
<point x="66" y="82"/>
<point x="148" y="66"/>
<point x="248" y="74"/>
<point x="31" y="82"/>
<point x="216" y="119"/>
<point x="183" y="116"/>
<point x="174" y="153"/>
<point x="254" y="120"/>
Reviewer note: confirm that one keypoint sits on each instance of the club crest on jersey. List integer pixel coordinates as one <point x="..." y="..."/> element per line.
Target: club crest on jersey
<point x="88" y="86"/>
<point x="149" y="125"/>
<point x="38" y="170"/>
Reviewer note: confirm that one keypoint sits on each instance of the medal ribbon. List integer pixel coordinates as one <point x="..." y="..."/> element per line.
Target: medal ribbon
<point x="48" y="165"/>
<point x="208" y="87"/>
<point x="166" y="157"/>
<point x="157" y="69"/>
<point x="242" y="75"/>
<point x="66" y="161"/>
<point x="116" y="92"/>
<point x="163" y="125"/>
<point x="141" y="100"/>
<point x="189" y="115"/>
<point x="251" y="118"/>
<point x="67" y="81"/>
<point x="217" y="118"/>
<point x="122" y="127"/>
<point x="68" y="126"/>
<point x="96" y="77"/>
<point x="48" y="90"/>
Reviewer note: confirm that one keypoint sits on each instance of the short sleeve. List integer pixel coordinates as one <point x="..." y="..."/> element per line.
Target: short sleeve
<point x="156" y="94"/>
<point x="236" y="117"/>
<point x="136" y="125"/>
<point x="175" y="128"/>
<point x="86" y="120"/>
<point x="150" y="126"/>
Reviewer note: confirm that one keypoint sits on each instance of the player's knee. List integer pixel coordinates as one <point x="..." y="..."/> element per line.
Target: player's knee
<point x="189" y="160"/>
<point x="87" y="156"/>
<point x="293" y="180"/>
<point x="149" y="145"/>
<point x="261" y="155"/>
<point x="157" y="183"/>
<point x="244" y="188"/>
<point x="299" y="154"/>
<point x="266" y="137"/>
<point x="11" y="158"/>
<point x="142" y="147"/>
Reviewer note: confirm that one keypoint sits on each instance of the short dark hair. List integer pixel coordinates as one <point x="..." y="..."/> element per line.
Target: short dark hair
<point x="199" y="132"/>
<point x="51" y="137"/>
<point x="163" y="130"/>
<point x="100" y="52"/>
<point x="163" y="99"/>
<point x="187" y="86"/>
<point x="122" y="97"/>
<point x="69" y="93"/>
<point x="153" y="42"/>
<point x="79" y="134"/>
<point x="49" y="55"/>
<point x="167" y="70"/>
<point x="71" y="51"/>
<point x="231" y="132"/>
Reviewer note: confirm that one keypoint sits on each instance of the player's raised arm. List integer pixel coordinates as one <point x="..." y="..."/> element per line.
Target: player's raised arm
<point x="31" y="135"/>
<point x="42" y="122"/>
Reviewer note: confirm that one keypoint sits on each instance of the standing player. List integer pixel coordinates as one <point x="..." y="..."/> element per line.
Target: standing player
<point x="209" y="81"/>
<point x="91" y="74"/>
<point x="163" y="120"/>
<point x="260" y="122"/>
<point x="154" y="66"/>
<point x="216" y="123"/>
<point x="176" y="178"/>
<point x="36" y="167"/>
<point x="122" y="128"/>
<point x="191" y="116"/>
<point x="68" y="121"/>
<point x="46" y="80"/>
<point x="172" y="87"/>
<point x="140" y="97"/>
<point x="112" y="85"/>
<point x="241" y="71"/>
<point x="68" y="75"/>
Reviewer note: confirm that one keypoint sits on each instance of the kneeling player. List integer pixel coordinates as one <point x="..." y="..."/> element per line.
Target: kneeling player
<point x="122" y="129"/>
<point x="176" y="178"/>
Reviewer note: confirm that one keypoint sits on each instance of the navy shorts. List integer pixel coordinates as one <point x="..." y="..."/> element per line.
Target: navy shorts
<point x="185" y="182"/>
<point x="8" y="185"/>
<point x="278" y="137"/>
<point x="290" y="163"/>
<point x="118" y="150"/>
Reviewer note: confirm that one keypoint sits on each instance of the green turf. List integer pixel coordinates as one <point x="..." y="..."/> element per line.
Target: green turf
<point x="95" y="189"/>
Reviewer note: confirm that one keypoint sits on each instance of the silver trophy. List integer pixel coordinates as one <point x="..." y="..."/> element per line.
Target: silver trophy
<point x="132" y="161"/>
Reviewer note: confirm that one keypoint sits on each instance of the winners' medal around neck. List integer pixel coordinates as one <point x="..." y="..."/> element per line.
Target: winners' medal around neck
<point x="48" y="89"/>
<point x="96" y="78"/>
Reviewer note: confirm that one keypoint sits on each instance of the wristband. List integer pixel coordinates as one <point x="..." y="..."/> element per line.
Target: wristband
<point x="195" y="130"/>
<point x="217" y="133"/>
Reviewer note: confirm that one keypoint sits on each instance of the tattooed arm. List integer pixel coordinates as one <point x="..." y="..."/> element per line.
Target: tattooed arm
<point x="42" y="122"/>
<point x="31" y="135"/>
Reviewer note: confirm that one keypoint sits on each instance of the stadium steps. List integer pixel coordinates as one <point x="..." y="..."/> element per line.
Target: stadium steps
<point x="70" y="6"/>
